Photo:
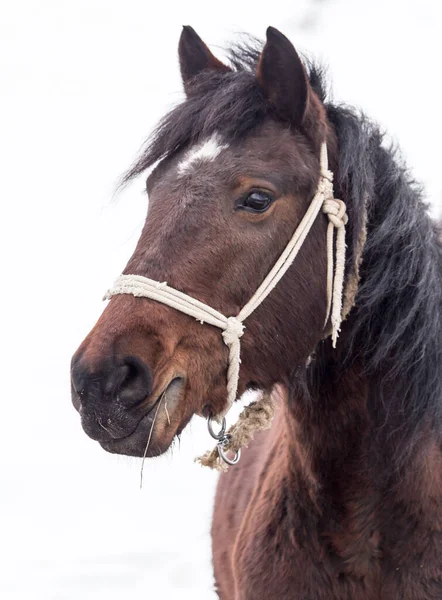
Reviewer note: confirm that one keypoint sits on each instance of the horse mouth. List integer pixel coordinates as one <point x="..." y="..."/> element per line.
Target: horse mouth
<point x="155" y="431"/>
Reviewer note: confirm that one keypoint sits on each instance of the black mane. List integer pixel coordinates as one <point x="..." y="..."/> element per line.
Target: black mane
<point x="397" y="320"/>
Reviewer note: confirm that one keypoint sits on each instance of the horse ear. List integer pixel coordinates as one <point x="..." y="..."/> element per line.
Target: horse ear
<point x="282" y="77"/>
<point x="195" y="57"/>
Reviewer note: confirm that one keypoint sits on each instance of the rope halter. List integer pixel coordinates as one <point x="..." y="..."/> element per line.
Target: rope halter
<point x="233" y="326"/>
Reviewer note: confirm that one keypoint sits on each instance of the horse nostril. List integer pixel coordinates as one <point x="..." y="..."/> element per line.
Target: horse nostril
<point x="128" y="380"/>
<point x="134" y="381"/>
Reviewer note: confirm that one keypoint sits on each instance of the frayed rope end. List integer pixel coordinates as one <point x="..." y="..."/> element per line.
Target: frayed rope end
<point x="212" y="460"/>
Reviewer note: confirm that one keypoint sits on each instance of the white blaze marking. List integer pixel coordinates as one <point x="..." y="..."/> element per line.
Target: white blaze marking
<point x="206" y="150"/>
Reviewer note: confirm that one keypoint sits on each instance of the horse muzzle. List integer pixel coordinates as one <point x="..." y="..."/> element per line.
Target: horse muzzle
<point x="120" y="403"/>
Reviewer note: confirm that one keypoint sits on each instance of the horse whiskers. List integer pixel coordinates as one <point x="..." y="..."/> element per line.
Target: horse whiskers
<point x="149" y="438"/>
<point x="167" y="412"/>
<point x="102" y="426"/>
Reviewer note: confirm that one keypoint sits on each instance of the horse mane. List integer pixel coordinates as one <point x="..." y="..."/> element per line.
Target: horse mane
<point x="397" y="320"/>
<point x="396" y="323"/>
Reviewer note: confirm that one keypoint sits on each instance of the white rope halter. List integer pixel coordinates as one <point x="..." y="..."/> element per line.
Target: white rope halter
<point x="233" y="327"/>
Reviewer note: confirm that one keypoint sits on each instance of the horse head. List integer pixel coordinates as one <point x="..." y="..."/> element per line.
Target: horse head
<point x="235" y="168"/>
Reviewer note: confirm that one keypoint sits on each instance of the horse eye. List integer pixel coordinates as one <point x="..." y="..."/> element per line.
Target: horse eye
<point x="256" y="202"/>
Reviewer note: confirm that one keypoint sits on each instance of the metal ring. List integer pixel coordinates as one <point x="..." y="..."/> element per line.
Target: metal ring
<point x="216" y="436"/>
<point x="226" y="459"/>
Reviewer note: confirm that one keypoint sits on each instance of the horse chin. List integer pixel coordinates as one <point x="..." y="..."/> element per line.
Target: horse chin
<point x="156" y="431"/>
<point x="135" y="444"/>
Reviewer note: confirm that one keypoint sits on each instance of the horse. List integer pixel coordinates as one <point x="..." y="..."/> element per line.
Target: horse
<point x="341" y="498"/>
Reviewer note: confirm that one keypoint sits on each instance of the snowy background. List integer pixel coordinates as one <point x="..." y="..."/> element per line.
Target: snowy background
<point x="82" y="84"/>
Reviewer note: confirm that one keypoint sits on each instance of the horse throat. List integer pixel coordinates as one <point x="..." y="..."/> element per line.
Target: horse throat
<point x="333" y="477"/>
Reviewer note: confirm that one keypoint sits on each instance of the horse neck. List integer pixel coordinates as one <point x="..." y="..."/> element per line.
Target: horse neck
<point x="363" y="422"/>
<point x="379" y="393"/>
<point x="329" y="423"/>
<point x="340" y="475"/>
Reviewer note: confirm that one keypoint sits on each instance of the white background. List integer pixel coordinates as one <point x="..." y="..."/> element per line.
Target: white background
<point x="82" y="84"/>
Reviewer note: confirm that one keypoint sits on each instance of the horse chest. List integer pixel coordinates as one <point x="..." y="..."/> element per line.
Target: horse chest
<point x="266" y="545"/>
<point x="270" y="562"/>
<point x="274" y="538"/>
<point x="277" y="554"/>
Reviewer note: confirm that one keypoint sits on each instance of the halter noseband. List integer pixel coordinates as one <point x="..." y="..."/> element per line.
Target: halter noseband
<point x="232" y="327"/>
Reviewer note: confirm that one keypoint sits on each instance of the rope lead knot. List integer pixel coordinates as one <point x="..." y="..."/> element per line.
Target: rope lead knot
<point x="336" y="212"/>
<point x="233" y="332"/>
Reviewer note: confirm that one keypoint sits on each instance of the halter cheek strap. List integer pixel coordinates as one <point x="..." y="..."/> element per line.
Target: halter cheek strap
<point x="232" y="327"/>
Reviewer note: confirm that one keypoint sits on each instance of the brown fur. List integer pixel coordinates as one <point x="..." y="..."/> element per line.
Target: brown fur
<point x="308" y="515"/>
<point x="342" y="498"/>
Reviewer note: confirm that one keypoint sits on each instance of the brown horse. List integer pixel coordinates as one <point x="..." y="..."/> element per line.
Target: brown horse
<point x="342" y="497"/>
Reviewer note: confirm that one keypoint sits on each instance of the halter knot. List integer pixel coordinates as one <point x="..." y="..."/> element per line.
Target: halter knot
<point x="325" y="186"/>
<point x="233" y="332"/>
<point x="336" y="212"/>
